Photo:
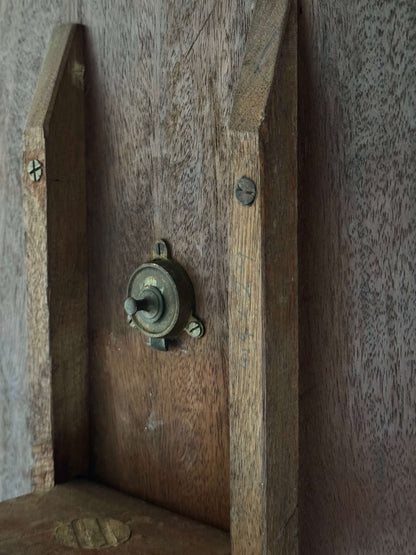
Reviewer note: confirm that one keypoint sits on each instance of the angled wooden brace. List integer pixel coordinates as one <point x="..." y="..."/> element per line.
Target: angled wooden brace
<point x="263" y="290"/>
<point x="54" y="198"/>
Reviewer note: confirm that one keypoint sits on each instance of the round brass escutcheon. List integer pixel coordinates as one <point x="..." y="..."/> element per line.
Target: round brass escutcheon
<point x="160" y="297"/>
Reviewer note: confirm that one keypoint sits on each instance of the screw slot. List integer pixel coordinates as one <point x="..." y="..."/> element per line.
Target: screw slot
<point x="34" y="169"/>
<point x="195" y="328"/>
<point x="246" y="191"/>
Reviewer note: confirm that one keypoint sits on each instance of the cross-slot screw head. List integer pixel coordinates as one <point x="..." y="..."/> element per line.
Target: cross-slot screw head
<point x="246" y="191"/>
<point x="34" y="169"/>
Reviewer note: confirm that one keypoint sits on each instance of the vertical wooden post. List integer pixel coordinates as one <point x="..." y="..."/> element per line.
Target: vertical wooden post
<point x="56" y="262"/>
<point x="263" y="291"/>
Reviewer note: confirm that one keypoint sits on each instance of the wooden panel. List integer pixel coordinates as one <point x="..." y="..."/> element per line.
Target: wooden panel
<point x="56" y="263"/>
<point x="357" y="277"/>
<point x="159" y="99"/>
<point x="23" y="51"/>
<point x="263" y="295"/>
<point x="28" y="524"/>
<point x="356" y="239"/>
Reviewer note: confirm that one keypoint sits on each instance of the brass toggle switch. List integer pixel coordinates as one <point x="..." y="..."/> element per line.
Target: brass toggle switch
<point x="160" y="299"/>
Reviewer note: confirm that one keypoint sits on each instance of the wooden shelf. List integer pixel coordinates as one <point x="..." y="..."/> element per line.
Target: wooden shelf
<point x="28" y="524"/>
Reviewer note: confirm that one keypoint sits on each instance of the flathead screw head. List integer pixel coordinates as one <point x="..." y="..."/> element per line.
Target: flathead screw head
<point x="34" y="169"/>
<point x="195" y="328"/>
<point x="246" y="191"/>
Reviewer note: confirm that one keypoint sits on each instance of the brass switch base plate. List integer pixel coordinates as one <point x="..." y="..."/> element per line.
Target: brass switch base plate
<point x="167" y="284"/>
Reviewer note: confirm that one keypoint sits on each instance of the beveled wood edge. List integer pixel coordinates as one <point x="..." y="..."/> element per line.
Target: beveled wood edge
<point x="263" y="45"/>
<point x="50" y="76"/>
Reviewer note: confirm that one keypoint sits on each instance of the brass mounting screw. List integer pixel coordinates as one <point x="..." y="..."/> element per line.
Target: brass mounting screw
<point x="195" y="328"/>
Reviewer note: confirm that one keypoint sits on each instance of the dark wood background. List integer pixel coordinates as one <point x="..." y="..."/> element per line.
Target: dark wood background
<point x="357" y="241"/>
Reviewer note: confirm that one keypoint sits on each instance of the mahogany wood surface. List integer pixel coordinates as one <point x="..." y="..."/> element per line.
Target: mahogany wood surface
<point x="263" y="292"/>
<point x="159" y="421"/>
<point x="56" y="263"/>
<point x="28" y="524"/>
<point x="356" y="237"/>
<point x="357" y="241"/>
<point x="161" y="77"/>
<point x="159" y="88"/>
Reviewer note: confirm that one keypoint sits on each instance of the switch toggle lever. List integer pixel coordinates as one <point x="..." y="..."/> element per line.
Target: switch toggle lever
<point x="150" y="303"/>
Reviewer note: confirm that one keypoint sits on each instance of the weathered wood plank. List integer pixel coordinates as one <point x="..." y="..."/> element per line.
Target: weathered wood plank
<point x="56" y="263"/>
<point x="28" y="524"/>
<point x="263" y="311"/>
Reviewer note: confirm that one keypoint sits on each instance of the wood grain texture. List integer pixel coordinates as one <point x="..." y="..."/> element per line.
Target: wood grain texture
<point x="159" y="86"/>
<point x="158" y="168"/>
<point x="357" y="277"/>
<point x="264" y="315"/>
<point x="28" y="524"/>
<point x="25" y="30"/>
<point x="357" y="242"/>
<point x="262" y="49"/>
<point x="56" y="264"/>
